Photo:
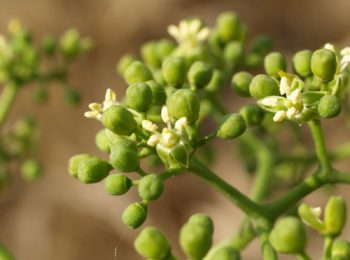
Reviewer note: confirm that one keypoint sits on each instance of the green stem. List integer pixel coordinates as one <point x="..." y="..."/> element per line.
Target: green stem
<point x="267" y="250"/>
<point x="327" y="248"/>
<point x="7" y="98"/>
<point x="248" y="206"/>
<point x="303" y="256"/>
<point x="320" y="147"/>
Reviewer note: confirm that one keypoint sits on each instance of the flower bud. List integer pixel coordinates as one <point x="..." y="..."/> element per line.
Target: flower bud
<point x="341" y="250"/>
<point x="196" y="236"/>
<point x="165" y="48"/>
<point x="49" y="45"/>
<point x="152" y="244"/>
<point x="70" y="43"/>
<point x="151" y="187"/>
<point x="149" y="54"/>
<point x="180" y="155"/>
<point x="102" y="141"/>
<point x="184" y="103"/>
<point x="288" y="236"/>
<point x="30" y="170"/>
<point x="119" y="120"/>
<point x="71" y="96"/>
<point x="25" y="128"/>
<point x="137" y="72"/>
<point x="124" y="63"/>
<point x="135" y="215"/>
<point x="74" y="162"/>
<point x="232" y="126"/>
<point x="174" y="71"/>
<point x="302" y="63"/>
<point x="240" y="83"/>
<point x="233" y="53"/>
<point x="324" y="64"/>
<point x="261" y="44"/>
<point x="124" y="156"/>
<point x="200" y="74"/>
<point x="335" y="216"/>
<point x="228" y="25"/>
<point x="117" y="184"/>
<point x="274" y="62"/>
<point x="329" y="106"/>
<point x="253" y="60"/>
<point x="158" y="93"/>
<point x="40" y="95"/>
<point x="216" y="82"/>
<point x="139" y="96"/>
<point x="262" y="86"/>
<point x="253" y="115"/>
<point x="92" y="169"/>
<point x="225" y="253"/>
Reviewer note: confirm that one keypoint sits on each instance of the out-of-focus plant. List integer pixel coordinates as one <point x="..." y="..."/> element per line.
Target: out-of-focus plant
<point x="173" y="88"/>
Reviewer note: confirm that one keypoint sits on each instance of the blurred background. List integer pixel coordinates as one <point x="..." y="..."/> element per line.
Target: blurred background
<point x="60" y="218"/>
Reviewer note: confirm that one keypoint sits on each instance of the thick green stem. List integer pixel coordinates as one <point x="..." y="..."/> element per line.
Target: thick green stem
<point x="320" y="147"/>
<point x="267" y="250"/>
<point x="7" y="98"/>
<point x="248" y="206"/>
<point x="327" y="248"/>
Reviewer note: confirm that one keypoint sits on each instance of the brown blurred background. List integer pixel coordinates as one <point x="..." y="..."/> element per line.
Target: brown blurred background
<point x="59" y="218"/>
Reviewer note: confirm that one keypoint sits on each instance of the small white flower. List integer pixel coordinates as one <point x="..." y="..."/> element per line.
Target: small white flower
<point x="284" y="86"/>
<point x="345" y="58"/>
<point x="329" y="46"/>
<point x="165" y="115"/>
<point x="153" y="140"/>
<point x="181" y="123"/>
<point x="110" y="99"/>
<point x="291" y="112"/>
<point x="97" y="109"/>
<point x="169" y="138"/>
<point x="149" y="126"/>
<point x="279" y="116"/>
<point x="269" y="101"/>
<point x="295" y="96"/>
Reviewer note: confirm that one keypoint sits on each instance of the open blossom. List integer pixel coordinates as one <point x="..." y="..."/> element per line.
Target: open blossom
<point x="97" y="109"/>
<point x="344" y="59"/>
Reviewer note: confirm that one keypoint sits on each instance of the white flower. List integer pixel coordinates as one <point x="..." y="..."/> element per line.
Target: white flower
<point x="344" y="56"/>
<point x="153" y="140"/>
<point x="97" y="109"/>
<point x="165" y="115"/>
<point x="279" y="116"/>
<point x="181" y="123"/>
<point x="149" y="126"/>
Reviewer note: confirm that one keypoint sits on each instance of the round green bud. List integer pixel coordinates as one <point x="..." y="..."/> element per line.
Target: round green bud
<point x="149" y="54"/>
<point x="200" y="74"/>
<point x="31" y="170"/>
<point x="40" y="95"/>
<point x="184" y="103"/>
<point x="232" y="126"/>
<point x="139" y="96"/>
<point x="329" y="106"/>
<point x="151" y="187"/>
<point x="195" y="239"/>
<point x="262" y="86"/>
<point x="92" y="169"/>
<point x="158" y="93"/>
<point x="288" y="236"/>
<point x="74" y="162"/>
<point x="233" y="53"/>
<point x="49" y="45"/>
<point x="217" y="81"/>
<point x="274" y="62"/>
<point x="253" y="115"/>
<point x="25" y="128"/>
<point x="225" y="253"/>
<point x="119" y="120"/>
<point x="135" y="215"/>
<point x="124" y="63"/>
<point x="102" y="141"/>
<point x="335" y="216"/>
<point x="117" y="184"/>
<point x="174" y="71"/>
<point x="124" y="156"/>
<point x="341" y="250"/>
<point x="165" y="48"/>
<point x="202" y="220"/>
<point x="324" y="64"/>
<point x="240" y="83"/>
<point x="137" y="72"/>
<point x="302" y="63"/>
<point x="261" y="44"/>
<point x="253" y="60"/>
<point x="228" y="25"/>
<point x="71" y="96"/>
<point x="70" y="43"/>
<point x="152" y="244"/>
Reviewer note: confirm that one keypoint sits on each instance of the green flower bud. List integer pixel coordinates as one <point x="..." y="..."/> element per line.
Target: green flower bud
<point x="335" y="216"/>
<point x="149" y="54"/>
<point x="329" y="106"/>
<point x="253" y="60"/>
<point x="196" y="237"/>
<point x="228" y="25"/>
<point x="180" y="155"/>
<point x="151" y="187"/>
<point x="274" y="62"/>
<point x="240" y="83"/>
<point x="302" y="63"/>
<point x="70" y="43"/>
<point x="232" y="126"/>
<point x="202" y="220"/>
<point x="25" y="128"/>
<point x="119" y="120"/>
<point x="261" y="44"/>
<point x="124" y="156"/>
<point x="102" y="141"/>
<point x="124" y="63"/>
<point x="139" y="97"/>
<point x="158" y="93"/>
<point x="152" y="244"/>
<point x="200" y="74"/>
<point x="341" y="250"/>
<point x="262" y="86"/>
<point x="135" y="215"/>
<point x="324" y="64"/>
<point x="117" y="184"/>
<point x="233" y="53"/>
<point x="225" y="253"/>
<point x="49" y="45"/>
<point x="174" y="71"/>
<point x="5" y="254"/>
<point x="184" y="103"/>
<point x="40" y="95"/>
<point x="71" y="96"/>
<point x="288" y="236"/>
<point x="31" y="170"/>
<point x="92" y="169"/>
<point x="165" y="48"/>
<point x="158" y="76"/>
<point x="137" y="72"/>
<point x="253" y="115"/>
<point x="74" y="162"/>
<point x="217" y="81"/>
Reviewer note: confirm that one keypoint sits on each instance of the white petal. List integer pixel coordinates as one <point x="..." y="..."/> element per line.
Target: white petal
<point x="91" y="114"/>
<point x="345" y="51"/>
<point x="149" y="126"/>
<point x="203" y="34"/>
<point x="181" y="123"/>
<point x="269" y="101"/>
<point x="279" y="116"/>
<point x="291" y="112"/>
<point x="173" y="31"/>
<point x="95" y="107"/>
<point x="316" y="211"/>
<point x="329" y="46"/>
<point x="165" y="114"/>
<point x="284" y="86"/>
<point x="110" y="95"/>
<point x="295" y="96"/>
<point x="153" y="140"/>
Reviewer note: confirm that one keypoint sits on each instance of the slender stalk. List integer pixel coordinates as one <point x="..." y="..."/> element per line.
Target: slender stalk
<point x="303" y="256"/>
<point x="327" y="248"/>
<point x="7" y="98"/>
